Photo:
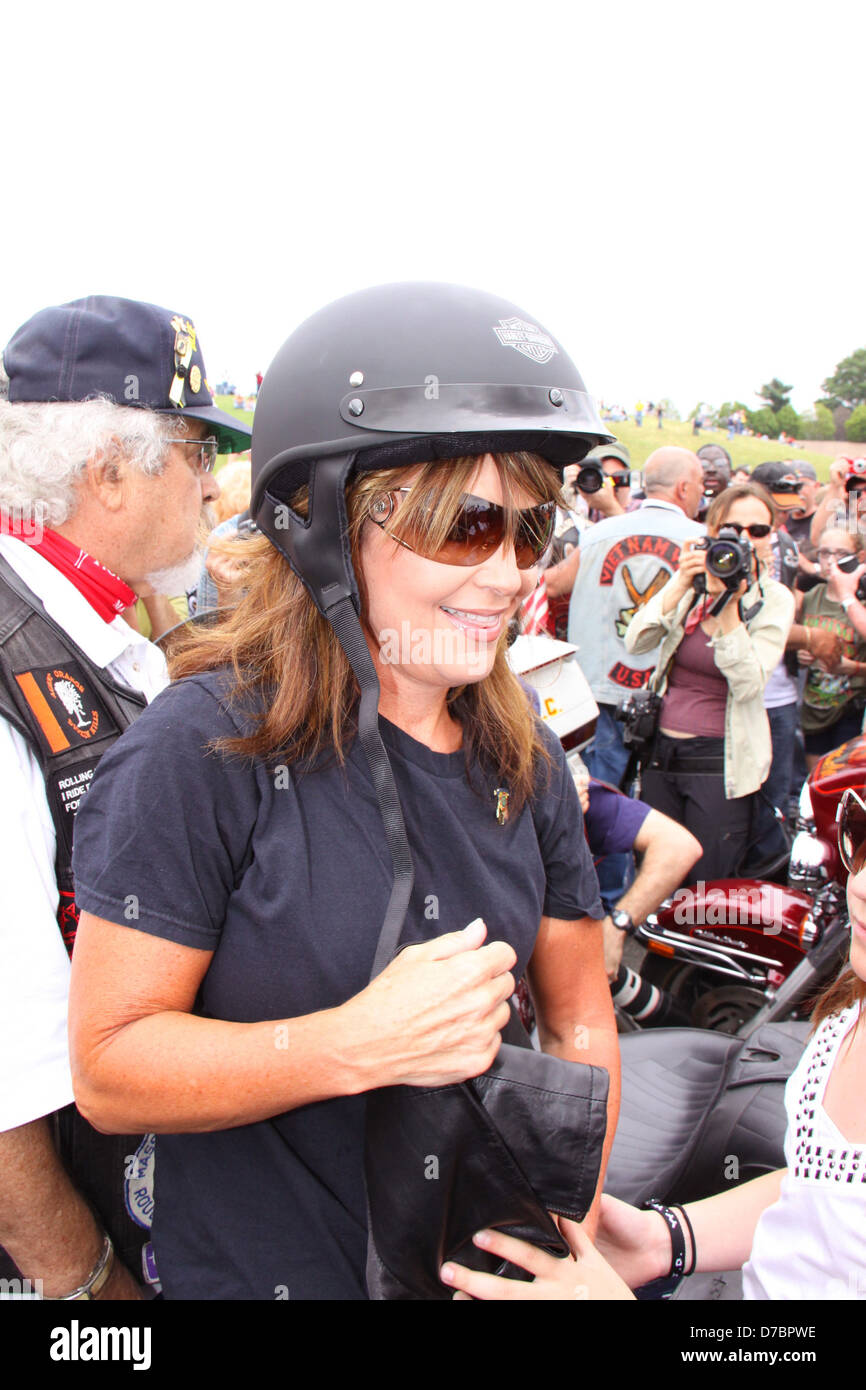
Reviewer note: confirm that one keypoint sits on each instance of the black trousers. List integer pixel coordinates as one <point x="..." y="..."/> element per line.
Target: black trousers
<point x="696" y="799"/>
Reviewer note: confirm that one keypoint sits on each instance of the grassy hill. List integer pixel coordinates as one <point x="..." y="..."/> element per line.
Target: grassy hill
<point x="642" y="440"/>
<point x="745" y="452"/>
<point x="226" y="403"/>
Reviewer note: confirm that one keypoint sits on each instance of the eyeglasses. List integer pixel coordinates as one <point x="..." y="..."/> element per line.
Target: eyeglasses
<point x="478" y="530"/>
<point x="758" y="531"/>
<point x="206" y="452"/>
<point x="851" y="831"/>
<point x="826" y="555"/>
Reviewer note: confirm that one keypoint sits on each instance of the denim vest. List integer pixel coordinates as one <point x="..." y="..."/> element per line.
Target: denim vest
<point x="624" y="560"/>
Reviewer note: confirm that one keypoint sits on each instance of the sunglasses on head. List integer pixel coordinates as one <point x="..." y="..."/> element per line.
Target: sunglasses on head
<point x="851" y="831"/>
<point x="758" y="531"/>
<point x="477" y="531"/>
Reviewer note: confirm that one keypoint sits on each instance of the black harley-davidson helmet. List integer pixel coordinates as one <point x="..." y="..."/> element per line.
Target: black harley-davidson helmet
<point x="400" y="374"/>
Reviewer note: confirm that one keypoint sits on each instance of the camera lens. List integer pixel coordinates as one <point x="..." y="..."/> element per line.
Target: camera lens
<point x="723" y="560"/>
<point x="589" y="479"/>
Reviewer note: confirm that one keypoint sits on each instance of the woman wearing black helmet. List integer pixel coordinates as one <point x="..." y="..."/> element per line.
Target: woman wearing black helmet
<point x="364" y="685"/>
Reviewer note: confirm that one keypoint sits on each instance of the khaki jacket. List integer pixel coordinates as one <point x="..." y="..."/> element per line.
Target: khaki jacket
<point x="745" y="657"/>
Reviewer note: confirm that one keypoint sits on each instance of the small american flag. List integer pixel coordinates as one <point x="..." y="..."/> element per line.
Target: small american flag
<point x="535" y="611"/>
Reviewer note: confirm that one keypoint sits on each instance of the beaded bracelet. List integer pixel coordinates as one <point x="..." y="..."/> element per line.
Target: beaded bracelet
<point x="667" y="1284"/>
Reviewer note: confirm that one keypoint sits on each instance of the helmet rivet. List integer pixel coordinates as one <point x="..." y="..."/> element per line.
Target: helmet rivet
<point x="555" y="396"/>
<point x="356" y="407"/>
<point x="356" y="379"/>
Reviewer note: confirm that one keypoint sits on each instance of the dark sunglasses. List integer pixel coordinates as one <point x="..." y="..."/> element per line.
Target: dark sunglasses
<point x="757" y="532"/>
<point x="851" y="831"/>
<point x="478" y="530"/>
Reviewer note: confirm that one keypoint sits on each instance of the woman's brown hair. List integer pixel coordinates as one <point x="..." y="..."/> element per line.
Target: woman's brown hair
<point x="720" y="508"/>
<point x="846" y="990"/>
<point x="287" y="661"/>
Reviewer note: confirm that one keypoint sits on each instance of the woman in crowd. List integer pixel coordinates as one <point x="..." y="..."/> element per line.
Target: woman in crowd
<point x="835" y="684"/>
<point x="230" y="859"/>
<point x="713" y="749"/>
<point x="798" y="1233"/>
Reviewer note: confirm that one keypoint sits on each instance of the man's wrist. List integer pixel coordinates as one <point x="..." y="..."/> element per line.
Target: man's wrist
<point x="92" y="1286"/>
<point x="623" y="921"/>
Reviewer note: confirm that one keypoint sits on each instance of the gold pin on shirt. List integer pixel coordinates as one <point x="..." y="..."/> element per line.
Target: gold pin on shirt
<point x="501" y="804"/>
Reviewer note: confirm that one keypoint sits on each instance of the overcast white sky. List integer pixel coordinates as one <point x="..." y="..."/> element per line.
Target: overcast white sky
<point x="674" y="189"/>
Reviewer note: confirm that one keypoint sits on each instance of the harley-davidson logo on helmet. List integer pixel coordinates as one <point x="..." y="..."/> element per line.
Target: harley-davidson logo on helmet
<point x="525" y="337"/>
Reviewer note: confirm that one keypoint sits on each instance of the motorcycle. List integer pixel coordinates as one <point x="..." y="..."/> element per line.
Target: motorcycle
<point x="740" y="953"/>
<point x="728" y="955"/>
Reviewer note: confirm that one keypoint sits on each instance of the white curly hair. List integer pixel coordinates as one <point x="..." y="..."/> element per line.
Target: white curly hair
<point x="44" y="448"/>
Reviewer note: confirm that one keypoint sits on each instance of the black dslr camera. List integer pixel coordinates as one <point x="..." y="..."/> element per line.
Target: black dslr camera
<point x="639" y="712"/>
<point x="591" y="478"/>
<point x="728" y="559"/>
<point x="849" y="564"/>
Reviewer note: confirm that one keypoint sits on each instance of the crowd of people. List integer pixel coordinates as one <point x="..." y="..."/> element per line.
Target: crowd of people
<point x="745" y="714"/>
<point x="305" y="868"/>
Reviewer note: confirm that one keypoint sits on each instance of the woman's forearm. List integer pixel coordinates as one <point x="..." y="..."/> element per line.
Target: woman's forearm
<point x="179" y="1073"/>
<point x="724" y="1225"/>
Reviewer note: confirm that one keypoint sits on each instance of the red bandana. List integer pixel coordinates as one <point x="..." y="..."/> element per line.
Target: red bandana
<point x="104" y="591"/>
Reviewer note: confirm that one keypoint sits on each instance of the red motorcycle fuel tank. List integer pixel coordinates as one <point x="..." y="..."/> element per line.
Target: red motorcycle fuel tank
<point x="842" y="768"/>
<point x="764" y="919"/>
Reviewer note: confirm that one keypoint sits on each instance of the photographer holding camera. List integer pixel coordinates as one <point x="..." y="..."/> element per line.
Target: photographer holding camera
<point x="722" y="624"/>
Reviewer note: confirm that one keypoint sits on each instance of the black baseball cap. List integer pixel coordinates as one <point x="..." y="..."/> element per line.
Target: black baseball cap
<point x="770" y="475"/>
<point x="135" y="354"/>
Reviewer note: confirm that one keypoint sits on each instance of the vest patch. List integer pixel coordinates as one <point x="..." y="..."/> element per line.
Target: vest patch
<point x="67" y="709"/>
<point x="66" y="788"/>
<point x="666" y="550"/>
<point x="628" y="676"/>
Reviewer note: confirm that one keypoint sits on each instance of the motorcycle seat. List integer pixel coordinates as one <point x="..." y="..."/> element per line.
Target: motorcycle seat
<point x="700" y="1110"/>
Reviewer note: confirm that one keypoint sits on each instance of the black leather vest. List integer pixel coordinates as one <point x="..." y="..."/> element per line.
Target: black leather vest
<point x="69" y="711"/>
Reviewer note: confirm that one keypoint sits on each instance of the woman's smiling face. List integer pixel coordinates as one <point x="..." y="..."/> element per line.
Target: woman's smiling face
<point x="433" y="626"/>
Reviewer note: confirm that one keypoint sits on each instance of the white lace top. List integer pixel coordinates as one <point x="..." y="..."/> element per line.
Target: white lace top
<point x="812" y="1242"/>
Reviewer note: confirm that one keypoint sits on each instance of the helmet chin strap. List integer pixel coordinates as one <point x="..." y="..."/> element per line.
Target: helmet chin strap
<point x="317" y="548"/>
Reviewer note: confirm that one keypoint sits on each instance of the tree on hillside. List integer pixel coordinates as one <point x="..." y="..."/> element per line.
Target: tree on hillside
<point x="789" y="421"/>
<point x="847" y="385"/>
<point x="763" y="421"/>
<point x="855" y="426"/>
<point x="776" y="394"/>
<point x="819" y="425"/>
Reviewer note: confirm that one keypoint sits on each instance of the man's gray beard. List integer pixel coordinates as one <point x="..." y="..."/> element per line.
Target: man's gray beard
<point x="176" y="580"/>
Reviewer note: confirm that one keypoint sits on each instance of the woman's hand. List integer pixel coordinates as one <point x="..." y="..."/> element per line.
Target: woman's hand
<point x="693" y="561"/>
<point x="585" y="1275"/>
<point x="843" y="584"/>
<point x="434" y="1015"/>
<point x="636" y="1244"/>
<point x="838" y="475"/>
<point x="824" y="647"/>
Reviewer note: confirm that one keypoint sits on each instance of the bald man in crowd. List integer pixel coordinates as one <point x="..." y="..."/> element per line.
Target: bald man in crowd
<point x="620" y="564"/>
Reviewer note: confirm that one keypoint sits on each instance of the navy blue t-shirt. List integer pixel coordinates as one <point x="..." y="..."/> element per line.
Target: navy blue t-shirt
<point x="612" y="819"/>
<point x="286" y="878"/>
